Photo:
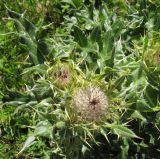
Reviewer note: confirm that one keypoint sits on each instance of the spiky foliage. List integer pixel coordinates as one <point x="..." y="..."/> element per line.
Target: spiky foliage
<point x="113" y="45"/>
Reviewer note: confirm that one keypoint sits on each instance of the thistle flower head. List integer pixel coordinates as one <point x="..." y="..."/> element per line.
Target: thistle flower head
<point x="157" y="57"/>
<point x="152" y="56"/>
<point x="90" y="103"/>
<point x="62" y="76"/>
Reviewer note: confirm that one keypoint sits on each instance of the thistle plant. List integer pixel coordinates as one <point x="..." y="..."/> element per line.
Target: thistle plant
<point x="87" y="89"/>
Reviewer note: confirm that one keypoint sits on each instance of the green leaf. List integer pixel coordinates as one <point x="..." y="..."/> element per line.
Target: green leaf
<point x="118" y="83"/>
<point x="117" y="27"/>
<point x="14" y="14"/>
<point x="77" y="3"/>
<point x="28" y="26"/>
<point x="137" y="115"/>
<point x="27" y="33"/>
<point x="96" y="34"/>
<point x="32" y="47"/>
<point x="30" y="141"/>
<point x="123" y="131"/>
<point x="96" y="37"/>
<point x="142" y="106"/>
<point x="1" y="63"/>
<point x="41" y="69"/>
<point x="145" y="44"/>
<point x="60" y="125"/>
<point x="79" y="36"/>
<point x="104" y="134"/>
<point x="124" y="148"/>
<point x="43" y="49"/>
<point x="43" y="128"/>
<point x="108" y="44"/>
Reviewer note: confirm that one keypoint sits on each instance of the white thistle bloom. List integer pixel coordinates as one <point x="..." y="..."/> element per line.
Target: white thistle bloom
<point x="90" y="103"/>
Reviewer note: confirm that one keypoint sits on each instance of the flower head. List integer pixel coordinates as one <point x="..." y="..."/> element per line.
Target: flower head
<point x="157" y="57"/>
<point x="152" y="55"/>
<point x="90" y="103"/>
<point x="62" y="76"/>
